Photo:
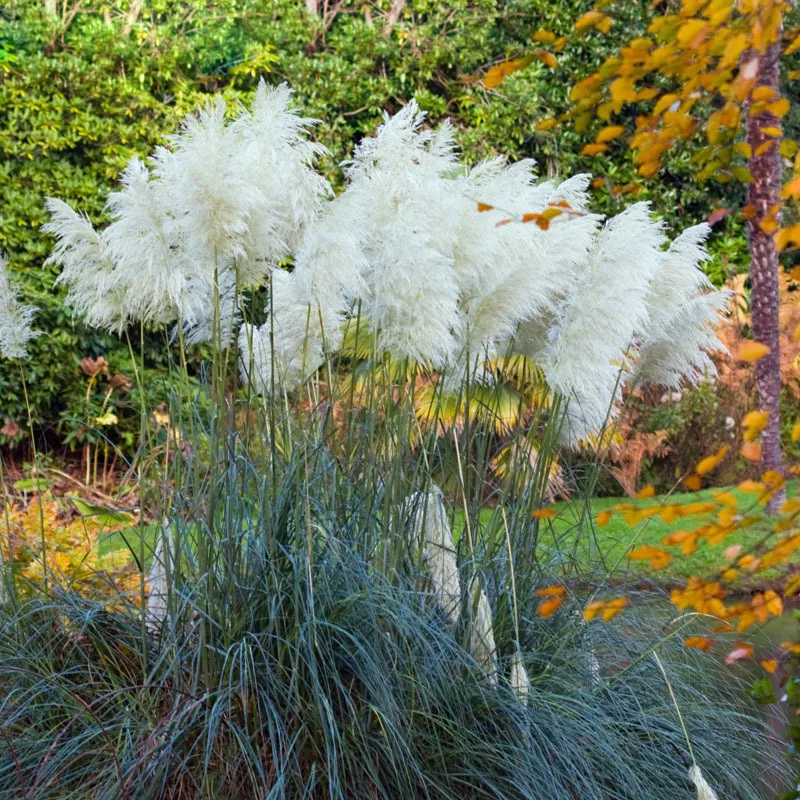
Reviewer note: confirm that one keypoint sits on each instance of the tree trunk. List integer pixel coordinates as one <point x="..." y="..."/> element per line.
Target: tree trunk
<point x="394" y="15"/>
<point x="312" y="7"/>
<point x="132" y="16"/>
<point x="763" y="196"/>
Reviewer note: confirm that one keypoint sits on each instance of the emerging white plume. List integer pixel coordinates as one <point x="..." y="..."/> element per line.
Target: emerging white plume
<point x="158" y="584"/>
<point x="15" y="321"/>
<point x="518" y="677"/>
<point x="440" y="552"/>
<point x="590" y="341"/>
<point x="481" y="638"/>
<point x="704" y="790"/>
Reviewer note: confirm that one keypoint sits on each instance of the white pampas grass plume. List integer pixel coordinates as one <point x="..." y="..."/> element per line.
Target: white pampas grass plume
<point x="704" y="790"/>
<point x="518" y="678"/>
<point x="430" y="521"/>
<point x="206" y="177"/>
<point x="518" y="272"/>
<point x="15" y="321"/>
<point x="94" y="288"/>
<point x="272" y="141"/>
<point x="408" y="209"/>
<point x="292" y="344"/>
<point x="224" y="203"/>
<point x="158" y="584"/>
<point x="683" y="310"/>
<point x="155" y="266"/>
<point x="330" y="262"/>
<point x="589" y="344"/>
<point x="481" y="639"/>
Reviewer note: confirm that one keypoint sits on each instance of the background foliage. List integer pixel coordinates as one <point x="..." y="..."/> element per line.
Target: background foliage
<point x="80" y="94"/>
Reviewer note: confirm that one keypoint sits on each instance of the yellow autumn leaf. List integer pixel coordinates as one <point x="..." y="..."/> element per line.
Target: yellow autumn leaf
<point x="769" y="225"/>
<point x="549" y="607"/>
<point x="594" y="149"/>
<point x="547" y="58"/>
<point x="545" y="513"/>
<point x="754" y="423"/>
<point x="752" y="351"/>
<point x="556" y="590"/>
<point x="613" y="608"/>
<point x="792" y="46"/>
<point x="751" y="451"/>
<point x="621" y="90"/>
<point x="603" y="518"/>
<point x="712" y="462"/>
<point x="780" y="108"/>
<point x="762" y="93"/>
<point x="609" y="133"/>
<point x="658" y="558"/>
<point x="700" y="642"/>
<point x="543" y="36"/>
<point x="694" y="483"/>
<point x="664" y="103"/>
<point x="592" y="610"/>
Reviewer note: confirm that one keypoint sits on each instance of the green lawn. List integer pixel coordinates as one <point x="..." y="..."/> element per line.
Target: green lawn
<point x="575" y="534"/>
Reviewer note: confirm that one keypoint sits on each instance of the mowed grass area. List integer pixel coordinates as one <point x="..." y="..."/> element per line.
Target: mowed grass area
<point x="574" y="537"/>
<point x="575" y="541"/>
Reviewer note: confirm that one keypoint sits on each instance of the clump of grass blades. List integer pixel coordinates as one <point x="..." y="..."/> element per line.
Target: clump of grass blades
<point x="302" y="656"/>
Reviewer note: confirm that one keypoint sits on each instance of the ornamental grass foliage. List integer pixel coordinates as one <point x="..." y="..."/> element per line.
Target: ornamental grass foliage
<point x="314" y="617"/>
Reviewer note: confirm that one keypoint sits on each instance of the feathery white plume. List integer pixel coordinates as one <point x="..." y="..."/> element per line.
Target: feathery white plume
<point x="518" y="678"/>
<point x="155" y="263"/>
<point x="221" y="206"/>
<point x="95" y="290"/>
<point x="596" y="327"/>
<point x="272" y="141"/>
<point x="440" y="552"/>
<point x="208" y="182"/>
<point x="399" y="193"/>
<point x="291" y="345"/>
<point x="683" y="309"/>
<point x="481" y="638"/>
<point x="704" y="790"/>
<point x="517" y="272"/>
<point x="15" y="321"/>
<point x="158" y="584"/>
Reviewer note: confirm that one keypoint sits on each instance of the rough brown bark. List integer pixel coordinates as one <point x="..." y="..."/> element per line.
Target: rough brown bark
<point x="132" y="16"/>
<point x="763" y="195"/>
<point x="394" y="15"/>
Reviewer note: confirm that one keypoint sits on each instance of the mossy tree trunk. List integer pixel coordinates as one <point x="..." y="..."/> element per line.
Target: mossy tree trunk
<point x="763" y="198"/>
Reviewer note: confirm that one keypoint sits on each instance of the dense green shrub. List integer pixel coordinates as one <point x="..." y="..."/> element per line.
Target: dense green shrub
<point x="77" y="102"/>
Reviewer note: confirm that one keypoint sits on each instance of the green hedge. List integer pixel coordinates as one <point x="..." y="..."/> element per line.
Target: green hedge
<point x="76" y="104"/>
